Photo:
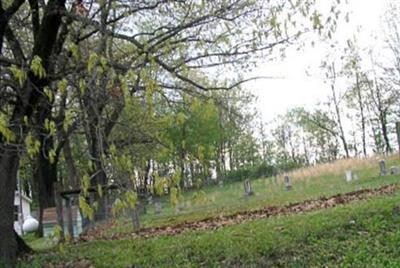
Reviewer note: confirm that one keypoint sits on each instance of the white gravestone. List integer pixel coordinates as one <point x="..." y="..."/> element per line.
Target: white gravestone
<point x="288" y="183"/>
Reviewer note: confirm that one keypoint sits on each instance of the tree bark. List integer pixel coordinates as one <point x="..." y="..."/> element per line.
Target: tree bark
<point x="338" y="114"/>
<point x="30" y="94"/>
<point x="362" y="114"/>
<point x="383" y="121"/>
<point x="8" y="180"/>
<point x="69" y="160"/>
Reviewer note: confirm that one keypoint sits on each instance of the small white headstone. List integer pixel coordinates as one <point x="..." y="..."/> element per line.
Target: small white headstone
<point x="247" y="188"/>
<point x="158" y="208"/>
<point x="349" y="175"/>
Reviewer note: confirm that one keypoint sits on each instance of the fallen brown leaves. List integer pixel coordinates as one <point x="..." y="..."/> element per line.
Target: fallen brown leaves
<point x="240" y="217"/>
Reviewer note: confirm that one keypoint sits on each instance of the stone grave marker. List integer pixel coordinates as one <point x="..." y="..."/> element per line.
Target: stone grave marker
<point x="382" y="167"/>
<point x="394" y="170"/>
<point x="135" y="218"/>
<point x="288" y="183"/>
<point x="349" y="175"/>
<point x="221" y="183"/>
<point x="149" y="200"/>
<point x="247" y="188"/>
<point x="158" y="207"/>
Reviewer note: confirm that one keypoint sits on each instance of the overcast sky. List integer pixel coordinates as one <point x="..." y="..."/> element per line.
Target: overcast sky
<point x="296" y="88"/>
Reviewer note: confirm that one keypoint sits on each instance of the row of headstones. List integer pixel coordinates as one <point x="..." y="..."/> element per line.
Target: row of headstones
<point x="394" y="170"/>
<point x="349" y="176"/>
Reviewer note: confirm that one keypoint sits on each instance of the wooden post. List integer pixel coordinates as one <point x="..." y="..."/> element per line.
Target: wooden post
<point x="69" y="216"/>
<point x="59" y="210"/>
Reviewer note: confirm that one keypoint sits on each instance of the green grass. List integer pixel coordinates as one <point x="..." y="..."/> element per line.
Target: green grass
<point x="39" y="244"/>
<point x="361" y="234"/>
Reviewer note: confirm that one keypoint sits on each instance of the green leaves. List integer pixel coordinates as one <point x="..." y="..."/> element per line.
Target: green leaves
<point x="131" y="199"/>
<point x="128" y="201"/>
<point x="62" y="85"/>
<point x="37" y="67"/>
<point x="117" y="207"/>
<point x="5" y="131"/>
<point x="32" y="145"/>
<point x="18" y="74"/>
<point x="74" y="49"/>
<point x="67" y="123"/>
<point x="92" y="61"/>
<point x="174" y="197"/>
<point x="86" y="209"/>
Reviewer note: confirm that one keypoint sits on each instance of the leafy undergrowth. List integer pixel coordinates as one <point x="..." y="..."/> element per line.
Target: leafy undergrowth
<point x="359" y="234"/>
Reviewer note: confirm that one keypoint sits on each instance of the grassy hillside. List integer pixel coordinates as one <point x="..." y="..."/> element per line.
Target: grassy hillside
<point x="308" y="183"/>
<point x="354" y="235"/>
<point x="363" y="233"/>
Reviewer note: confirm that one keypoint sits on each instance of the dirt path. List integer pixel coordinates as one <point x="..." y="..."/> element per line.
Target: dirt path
<point x="240" y="217"/>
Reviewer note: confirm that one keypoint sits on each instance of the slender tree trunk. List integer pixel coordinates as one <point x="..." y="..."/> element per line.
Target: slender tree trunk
<point x="231" y="160"/>
<point x="339" y="118"/>
<point x="383" y="121"/>
<point x="362" y="114"/>
<point x="182" y="167"/>
<point x="69" y="160"/>
<point x="46" y="176"/>
<point x="46" y="170"/>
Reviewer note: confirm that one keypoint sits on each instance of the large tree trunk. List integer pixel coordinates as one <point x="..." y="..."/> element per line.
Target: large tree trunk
<point x="10" y="246"/>
<point x="8" y="179"/>
<point x="26" y="103"/>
